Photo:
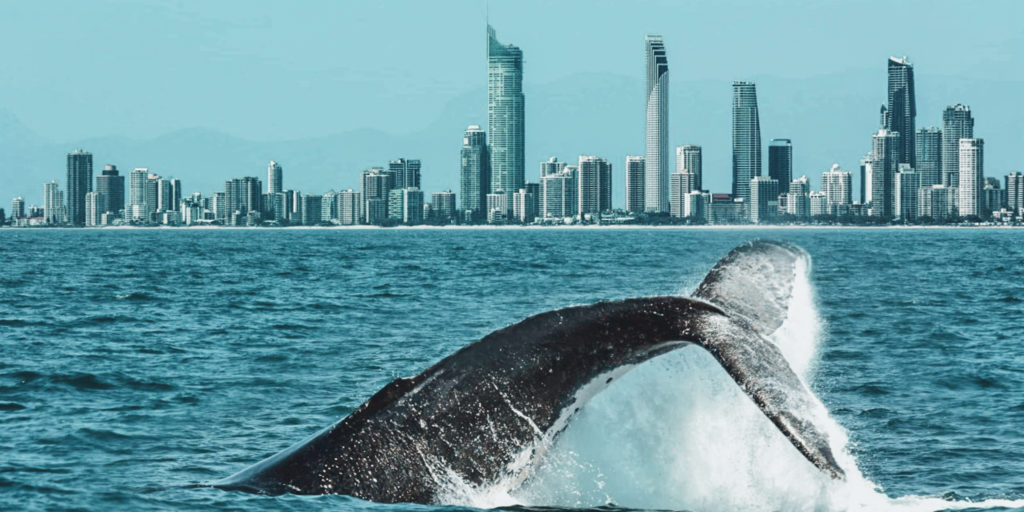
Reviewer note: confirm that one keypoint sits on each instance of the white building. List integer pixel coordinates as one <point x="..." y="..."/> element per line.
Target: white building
<point x="972" y="177"/>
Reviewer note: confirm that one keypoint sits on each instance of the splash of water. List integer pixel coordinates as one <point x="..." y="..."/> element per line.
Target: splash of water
<point x="677" y="433"/>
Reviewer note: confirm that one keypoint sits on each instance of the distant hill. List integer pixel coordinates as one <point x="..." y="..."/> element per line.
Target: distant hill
<point x="830" y="119"/>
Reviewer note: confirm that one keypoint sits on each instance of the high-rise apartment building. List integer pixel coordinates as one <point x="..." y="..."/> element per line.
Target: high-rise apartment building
<point x="692" y="163"/>
<point x="407" y="172"/>
<point x="54" y="210"/>
<point x="377" y="185"/>
<point x="780" y="160"/>
<point x="350" y="208"/>
<point x="558" y="193"/>
<point x="17" y="208"/>
<point x="764" y="198"/>
<point x="885" y="145"/>
<point x="506" y="115"/>
<point x="656" y="161"/>
<point x="972" y="178"/>
<point x="957" y="124"/>
<point x="443" y="206"/>
<point x="902" y="108"/>
<point x="242" y="196"/>
<point x="275" y="178"/>
<point x="836" y="184"/>
<point x="928" y="153"/>
<point x="680" y="184"/>
<point x="906" y="185"/>
<point x="594" y="182"/>
<point x="110" y="185"/>
<point x="1014" y="192"/>
<point x="746" y="139"/>
<point x="475" y="172"/>
<point x="93" y="200"/>
<point x="635" y="183"/>
<point x="79" y="183"/>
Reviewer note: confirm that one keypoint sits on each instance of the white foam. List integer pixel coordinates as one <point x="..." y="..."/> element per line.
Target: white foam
<point x="677" y="433"/>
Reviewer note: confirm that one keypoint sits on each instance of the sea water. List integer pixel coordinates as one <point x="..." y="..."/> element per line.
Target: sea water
<point x="138" y="365"/>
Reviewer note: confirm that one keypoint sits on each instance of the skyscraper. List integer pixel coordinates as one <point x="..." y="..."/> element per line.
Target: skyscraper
<point x="764" y="198"/>
<point x="746" y="139"/>
<point x="558" y="191"/>
<point x="902" y="109"/>
<point x="780" y="160"/>
<point x="110" y="185"/>
<point x="928" y="152"/>
<point x="407" y="172"/>
<point x="957" y="124"/>
<point x="656" y="161"/>
<point x="475" y="172"/>
<point x="506" y="115"/>
<point x="905" y="192"/>
<point x="137" y="208"/>
<point x="377" y="185"/>
<point x="836" y="184"/>
<point x="972" y="177"/>
<point x="680" y="184"/>
<point x="243" y="195"/>
<point x="594" y="182"/>
<point x="691" y="163"/>
<point x="93" y="201"/>
<point x="443" y="206"/>
<point x="1014" y="193"/>
<point x="54" y="212"/>
<point x="275" y="177"/>
<point x="79" y="183"/>
<point x="350" y="207"/>
<point x="18" y="207"/>
<point x="635" y="183"/>
<point x="885" y="145"/>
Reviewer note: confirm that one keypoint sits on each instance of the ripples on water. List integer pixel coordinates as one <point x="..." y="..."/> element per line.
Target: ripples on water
<point x="136" y="363"/>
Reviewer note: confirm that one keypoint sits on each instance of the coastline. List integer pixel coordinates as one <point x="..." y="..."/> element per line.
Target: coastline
<point x="485" y="227"/>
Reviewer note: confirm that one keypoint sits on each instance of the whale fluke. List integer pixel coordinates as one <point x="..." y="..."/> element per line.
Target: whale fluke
<point x="480" y="412"/>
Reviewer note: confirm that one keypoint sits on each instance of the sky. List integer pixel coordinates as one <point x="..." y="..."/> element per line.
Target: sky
<point x="275" y="71"/>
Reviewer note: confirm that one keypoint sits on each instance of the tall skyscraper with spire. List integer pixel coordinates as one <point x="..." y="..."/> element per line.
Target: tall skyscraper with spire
<point x="746" y="139"/>
<point x="957" y="124"/>
<point x="656" y="161"/>
<point x="902" y="109"/>
<point x="506" y="116"/>
<point x="79" y="183"/>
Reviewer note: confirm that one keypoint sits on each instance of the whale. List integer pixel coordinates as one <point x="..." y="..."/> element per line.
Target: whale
<point x="484" y="413"/>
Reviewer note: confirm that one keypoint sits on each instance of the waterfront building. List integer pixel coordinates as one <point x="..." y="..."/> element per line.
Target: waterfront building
<point x="54" y="211"/>
<point x="635" y="183"/>
<point x="329" y="206"/>
<point x="551" y="166"/>
<point x="558" y="194"/>
<point x="1014" y="193"/>
<point x="110" y="185"/>
<point x="780" y="160"/>
<point x="506" y="115"/>
<point x="275" y="177"/>
<point x="406" y="172"/>
<point x="475" y="172"/>
<point x="594" y="182"/>
<point x="817" y="204"/>
<point x="993" y="197"/>
<point x="882" y="172"/>
<point x="726" y="209"/>
<point x="764" y="198"/>
<point x="865" y="179"/>
<point x="350" y="208"/>
<point x="907" y="183"/>
<point x="312" y="209"/>
<point x="746" y="139"/>
<point x="928" y="152"/>
<point x="957" y="124"/>
<point x="656" y="141"/>
<point x="377" y="185"/>
<point x="837" y="184"/>
<point x="523" y="206"/>
<point x="680" y="184"/>
<point x="972" y="178"/>
<point x="168" y="194"/>
<point x="241" y="196"/>
<point x="92" y="208"/>
<point x="937" y="202"/>
<point x="497" y="207"/>
<point x="442" y="205"/>
<point x="690" y="160"/>
<point x="695" y="205"/>
<point x="135" y="211"/>
<point x="797" y="199"/>
<point x="18" y="207"/>
<point x="79" y="183"/>
<point x="902" y="109"/>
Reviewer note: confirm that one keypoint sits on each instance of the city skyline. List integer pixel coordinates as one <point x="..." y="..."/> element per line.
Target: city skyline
<point x="557" y="61"/>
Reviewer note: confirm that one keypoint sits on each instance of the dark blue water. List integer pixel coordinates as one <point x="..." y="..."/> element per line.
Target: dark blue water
<point x="137" y="363"/>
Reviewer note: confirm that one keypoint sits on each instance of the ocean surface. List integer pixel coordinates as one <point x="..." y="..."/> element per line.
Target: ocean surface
<point x="138" y="365"/>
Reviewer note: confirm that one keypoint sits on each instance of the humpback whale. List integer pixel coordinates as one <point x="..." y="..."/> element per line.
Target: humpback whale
<point x="485" y="411"/>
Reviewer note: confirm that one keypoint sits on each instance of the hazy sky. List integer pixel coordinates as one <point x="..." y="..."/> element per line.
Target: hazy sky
<point x="284" y="70"/>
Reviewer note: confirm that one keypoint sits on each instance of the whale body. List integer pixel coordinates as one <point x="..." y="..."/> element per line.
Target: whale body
<point x="481" y="412"/>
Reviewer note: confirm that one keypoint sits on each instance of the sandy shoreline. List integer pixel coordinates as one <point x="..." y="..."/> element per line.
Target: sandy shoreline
<point x="573" y="227"/>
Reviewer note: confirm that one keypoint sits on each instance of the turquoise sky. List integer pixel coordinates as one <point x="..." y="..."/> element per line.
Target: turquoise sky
<point x="284" y="70"/>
